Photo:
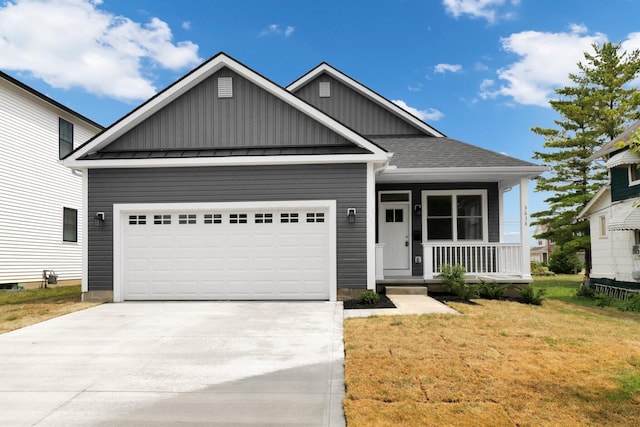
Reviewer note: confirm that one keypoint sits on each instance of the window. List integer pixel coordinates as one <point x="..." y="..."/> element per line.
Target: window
<point x="213" y="218"/>
<point x="603" y="226"/>
<point x="263" y="218"/>
<point x="238" y="218"/>
<point x="457" y="216"/>
<point x="315" y="217"/>
<point x="393" y="215"/>
<point x="187" y="219"/>
<point x="137" y="219"/>
<point x="162" y="219"/>
<point x="634" y="175"/>
<point x="70" y="225"/>
<point x="288" y="217"/>
<point x="65" y="137"/>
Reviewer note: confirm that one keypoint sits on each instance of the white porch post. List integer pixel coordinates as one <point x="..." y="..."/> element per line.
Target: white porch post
<point x="524" y="228"/>
<point x="427" y="261"/>
<point x="371" y="227"/>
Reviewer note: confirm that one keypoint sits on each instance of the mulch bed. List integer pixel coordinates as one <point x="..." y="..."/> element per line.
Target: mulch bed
<point x="384" y="302"/>
<point x="445" y="297"/>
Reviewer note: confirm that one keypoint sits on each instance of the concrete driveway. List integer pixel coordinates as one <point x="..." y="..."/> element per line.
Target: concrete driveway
<point x="207" y="363"/>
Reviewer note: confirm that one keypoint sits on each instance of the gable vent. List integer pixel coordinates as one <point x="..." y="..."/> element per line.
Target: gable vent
<point x="225" y="87"/>
<point x="325" y="89"/>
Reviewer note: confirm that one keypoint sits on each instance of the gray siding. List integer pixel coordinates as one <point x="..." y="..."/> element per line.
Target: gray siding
<point x="493" y="209"/>
<point x="344" y="183"/>
<point x="355" y="110"/>
<point x="252" y="118"/>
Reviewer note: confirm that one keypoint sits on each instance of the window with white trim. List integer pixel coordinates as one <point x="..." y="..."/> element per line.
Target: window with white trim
<point x="65" y="137"/>
<point x="634" y="175"/>
<point x="457" y="215"/>
<point x="603" y="225"/>
<point x="315" y="217"/>
<point x="70" y="225"/>
<point x="288" y="217"/>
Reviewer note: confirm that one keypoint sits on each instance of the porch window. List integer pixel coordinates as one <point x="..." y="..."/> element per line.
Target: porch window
<point x="457" y="216"/>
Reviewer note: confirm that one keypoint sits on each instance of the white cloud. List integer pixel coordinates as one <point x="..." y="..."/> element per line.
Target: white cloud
<point x="429" y="114"/>
<point x="480" y="66"/>
<point x="546" y="59"/>
<point x="415" y="87"/>
<point x="73" y="43"/>
<point x="186" y="25"/>
<point x="486" y="9"/>
<point x="443" y="68"/>
<point x="274" y="29"/>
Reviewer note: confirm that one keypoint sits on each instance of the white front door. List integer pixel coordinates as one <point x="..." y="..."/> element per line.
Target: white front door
<point x="394" y="223"/>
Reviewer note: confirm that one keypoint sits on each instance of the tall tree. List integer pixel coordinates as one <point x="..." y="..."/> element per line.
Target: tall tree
<point x="593" y="110"/>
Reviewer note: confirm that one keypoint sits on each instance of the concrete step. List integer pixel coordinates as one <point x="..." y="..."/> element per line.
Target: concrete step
<point x="405" y="290"/>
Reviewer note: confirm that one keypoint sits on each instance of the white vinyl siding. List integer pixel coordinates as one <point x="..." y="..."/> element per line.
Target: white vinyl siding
<point x="34" y="189"/>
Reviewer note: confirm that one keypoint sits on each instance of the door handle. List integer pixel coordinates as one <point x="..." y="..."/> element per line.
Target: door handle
<point x="406" y="242"/>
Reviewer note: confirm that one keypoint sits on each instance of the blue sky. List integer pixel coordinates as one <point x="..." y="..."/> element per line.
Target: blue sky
<point x="480" y="71"/>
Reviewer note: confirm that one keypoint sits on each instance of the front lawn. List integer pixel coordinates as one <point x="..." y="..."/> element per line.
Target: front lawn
<point x="499" y="363"/>
<point x="23" y="308"/>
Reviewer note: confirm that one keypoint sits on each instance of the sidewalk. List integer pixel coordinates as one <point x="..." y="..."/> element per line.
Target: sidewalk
<point x="405" y="304"/>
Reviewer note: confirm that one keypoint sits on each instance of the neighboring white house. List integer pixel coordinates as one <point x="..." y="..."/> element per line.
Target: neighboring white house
<point x="40" y="199"/>
<point x="614" y="216"/>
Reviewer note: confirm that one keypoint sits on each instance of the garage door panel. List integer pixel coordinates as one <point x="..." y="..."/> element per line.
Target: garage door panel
<point x="235" y="254"/>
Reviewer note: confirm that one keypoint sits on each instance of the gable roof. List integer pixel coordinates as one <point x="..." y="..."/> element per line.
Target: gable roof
<point x="365" y="91"/>
<point x="82" y="156"/>
<point x="612" y="145"/>
<point x="604" y="193"/>
<point x="48" y="100"/>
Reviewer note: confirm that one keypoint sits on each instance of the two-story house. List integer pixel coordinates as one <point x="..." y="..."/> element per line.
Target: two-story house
<point x="614" y="216"/>
<point x="41" y="213"/>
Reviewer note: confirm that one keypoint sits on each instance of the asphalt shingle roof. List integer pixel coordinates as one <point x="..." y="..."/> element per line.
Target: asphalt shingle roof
<point x="440" y="152"/>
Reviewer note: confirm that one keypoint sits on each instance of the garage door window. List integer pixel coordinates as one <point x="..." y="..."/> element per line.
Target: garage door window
<point x="187" y="219"/>
<point x="264" y="218"/>
<point x="213" y="218"/>
<point x="288" y="217"/>
<point x="238" y="218"/>
<point x="315" y="217"/>
<point x="137" y="219"/>
<point x="162" y="219"/>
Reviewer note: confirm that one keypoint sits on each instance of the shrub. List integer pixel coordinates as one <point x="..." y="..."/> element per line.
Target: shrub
<point x="369" y="297"/>
<point x="632" y="303"/>
<point x="453" y="277"/>
<point x="586" y="290"/>
<point x="603" y="300"/>
<point x="564" y="261"/>
<point x="491" y="290"/>
<point x="540" y="269"/>
<point x="528" y="295"/>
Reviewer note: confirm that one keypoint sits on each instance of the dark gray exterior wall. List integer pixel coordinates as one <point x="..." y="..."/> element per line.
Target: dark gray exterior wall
<point x="252" y="118"/>
<point x="355" y="110"/>
<point x="344" y="183"/>
<point x="493" y="208"/>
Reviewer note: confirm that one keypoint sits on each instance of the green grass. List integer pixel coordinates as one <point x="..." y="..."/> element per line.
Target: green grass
<point x="35" y="295"/>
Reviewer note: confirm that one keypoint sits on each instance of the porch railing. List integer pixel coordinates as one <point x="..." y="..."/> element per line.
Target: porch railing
<point x="476" y="258"/>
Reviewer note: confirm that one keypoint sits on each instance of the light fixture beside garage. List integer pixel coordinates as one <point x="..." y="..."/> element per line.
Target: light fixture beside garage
<point x="351" y="214"/>
<point x="98" y="220"/>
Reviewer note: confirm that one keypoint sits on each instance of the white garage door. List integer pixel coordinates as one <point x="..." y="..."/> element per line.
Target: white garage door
<point x="227" y="253"/>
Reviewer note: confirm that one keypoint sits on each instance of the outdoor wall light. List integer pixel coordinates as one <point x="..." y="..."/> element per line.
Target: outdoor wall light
<point x="417" y="209"/>
<point x="351" y="214"/>
<point x="98" y="220"/>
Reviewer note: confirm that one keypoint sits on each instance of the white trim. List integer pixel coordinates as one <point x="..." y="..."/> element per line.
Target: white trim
<point x="409" y="203"/>
<point x="506" y="176"/>
<point x="359" y="87"/>
<point x="632" y="182"/>
<point x="525" y="240"/>
<point x="455" y="192"/>
<point x="501" y="192"/>
<point x="120" y="209"/>
<point x="226" y="161"/>
<point x="85" y="232"/>
<point x="371" y="227"/>
<point x="194" y="78"/>
<point x="587" y="209"/>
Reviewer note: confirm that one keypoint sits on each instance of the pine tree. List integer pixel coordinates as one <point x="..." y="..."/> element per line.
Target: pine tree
<point x="593" y="111"/>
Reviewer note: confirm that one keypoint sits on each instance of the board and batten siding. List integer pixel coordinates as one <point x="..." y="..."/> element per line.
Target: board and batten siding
<point x="354" y="109"/>
<point x="345" y="183"/>
<point x="199" y="119"/>
<point x="34" y="189"/>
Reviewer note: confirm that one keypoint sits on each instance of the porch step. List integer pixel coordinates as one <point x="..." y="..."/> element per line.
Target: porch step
<point x="405" y="290"/>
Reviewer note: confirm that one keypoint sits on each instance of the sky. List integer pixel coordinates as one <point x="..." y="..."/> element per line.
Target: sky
<point x="480" y="71"/>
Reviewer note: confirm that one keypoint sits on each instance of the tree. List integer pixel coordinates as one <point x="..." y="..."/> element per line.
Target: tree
<point x="593" y="111"/>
